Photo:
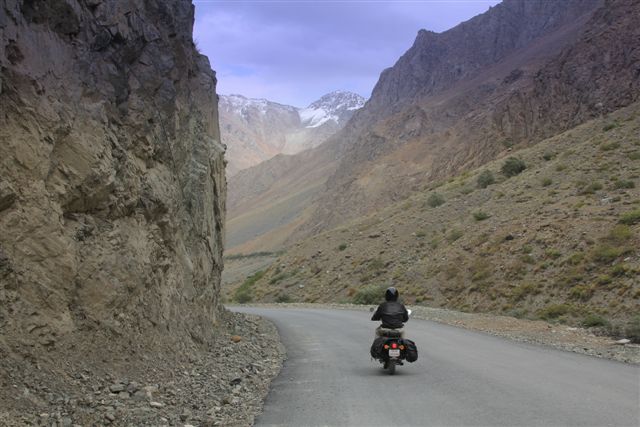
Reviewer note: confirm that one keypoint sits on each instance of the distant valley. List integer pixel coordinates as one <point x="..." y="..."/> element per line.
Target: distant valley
<point x="523" y="71"/>
<point x="396" y="196"/>
<point x="256" y="130"/>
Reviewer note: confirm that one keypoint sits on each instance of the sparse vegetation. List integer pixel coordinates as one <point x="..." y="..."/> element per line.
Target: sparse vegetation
<point x="630" y="218"/>
<point x="244" y="293"/>
<point x="283" y="298"/>
<point x="606" y="254"/>
<point x="624" y="184"/>
<point x="454" y="235"/>
<point x="370" y="294"/>
<point x="609" y="126"/>
<point x="251" y="255"/>
<point x="480" y="216"/>
<point x="610" y="146"/>
<point x="553" y="253"/>
<point x="589" y="188"/>
<point x="632" y="330"/>
<point x="554" y="311"/>
<point x="435" y="200"/>
<point x="546" y="253"/>
<point x="523" y="290"/>
<point x="581" y="292"/>
<point x="594" y="321"/>
<point x="485" y="179"/>
<point x="513" y="166"/>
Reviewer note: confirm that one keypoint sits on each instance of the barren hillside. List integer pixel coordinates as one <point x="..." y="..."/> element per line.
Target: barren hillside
<point x="533" y="70"/>
<point x="557" y="240"/>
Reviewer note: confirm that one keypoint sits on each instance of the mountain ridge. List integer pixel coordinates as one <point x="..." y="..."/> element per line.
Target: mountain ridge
<point x="256" y="130"/>
<point x="582" y="68"/>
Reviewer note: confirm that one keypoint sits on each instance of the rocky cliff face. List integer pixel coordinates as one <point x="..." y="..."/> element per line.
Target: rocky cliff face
<point x="555" y="78"/>
<point x="437" y="62"/>
<point x="112" y="186"/>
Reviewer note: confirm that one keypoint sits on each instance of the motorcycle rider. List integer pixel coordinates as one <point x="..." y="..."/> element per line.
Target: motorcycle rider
<point x="392" y="313"/>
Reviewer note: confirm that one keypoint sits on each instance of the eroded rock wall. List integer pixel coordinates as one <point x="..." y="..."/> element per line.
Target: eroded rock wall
<point x="112" y="188"/>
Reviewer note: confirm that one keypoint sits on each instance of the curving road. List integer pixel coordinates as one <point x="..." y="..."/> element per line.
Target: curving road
<point x="461" y="378"/>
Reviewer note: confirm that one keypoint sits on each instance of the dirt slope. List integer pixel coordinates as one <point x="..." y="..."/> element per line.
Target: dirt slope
<point x="558" y="241"/>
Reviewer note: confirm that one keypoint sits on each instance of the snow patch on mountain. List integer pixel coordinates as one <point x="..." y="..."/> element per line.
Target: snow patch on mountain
<point x="337" y="106"/>
<point x="241" y="105"/>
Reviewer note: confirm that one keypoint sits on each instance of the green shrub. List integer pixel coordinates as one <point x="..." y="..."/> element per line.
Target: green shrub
<point x="561" y="167"/>
<point x="554" y="311"/>
<point x="606" y="254"/>
<point x="376" y="264"/>
<point x="548" y="155"/>
<point x="520" y="292"/>
<point x="421" y="234"/>
<point x="553" y="253"/>
<point x="481" y="216"/>
<point x="342" y="246"/>
<point x="435" y="200"/>
<point x="244" y="293"/>
<point x="610" y="146"/>
<point x="634" y="156"/>
<point x="370" y="294"/>
<point x="619" y="270"/>
<point x="620" y="234"/>
<point x="454" y="235"/>
<point x="592" y="321"/>
<point x="609" y="126"/>
<point x="630" y="218"/>
<point x="581" y="292"/>
<point x="624" y="184"/>
<point x="513" y="166"/>
<point x="546" y="182"/>
<point x="283" y="298"/>
<point x="485" y="179"/>
<point x="591" y="188"/>
<point x="632" y="330"/>
<point x="576" y="258"/>
<point x="243" y="297"/>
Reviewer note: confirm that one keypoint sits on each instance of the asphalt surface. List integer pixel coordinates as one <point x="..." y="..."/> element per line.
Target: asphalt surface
<point x="461" y="378"/>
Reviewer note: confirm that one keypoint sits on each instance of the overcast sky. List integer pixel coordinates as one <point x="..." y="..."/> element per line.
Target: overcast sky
<point x="293" y="52"/>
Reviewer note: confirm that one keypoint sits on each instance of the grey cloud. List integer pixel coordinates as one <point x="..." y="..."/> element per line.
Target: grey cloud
<point x="297" y="51"/>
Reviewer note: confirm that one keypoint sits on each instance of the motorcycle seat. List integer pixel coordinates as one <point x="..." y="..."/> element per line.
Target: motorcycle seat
<point x="391" y="333"/>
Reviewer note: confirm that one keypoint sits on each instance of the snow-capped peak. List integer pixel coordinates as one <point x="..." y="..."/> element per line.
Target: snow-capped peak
<point x="240" y="104"/>
<point x="337" y="106"/>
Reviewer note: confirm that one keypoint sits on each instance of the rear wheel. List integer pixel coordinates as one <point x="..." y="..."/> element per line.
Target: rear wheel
<point x="392" y="367"/>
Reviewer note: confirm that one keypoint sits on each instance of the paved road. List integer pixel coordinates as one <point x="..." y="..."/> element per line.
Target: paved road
<point x="461" y="378"/>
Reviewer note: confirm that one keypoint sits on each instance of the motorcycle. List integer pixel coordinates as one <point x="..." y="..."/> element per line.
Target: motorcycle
<point x="391" y="349"/>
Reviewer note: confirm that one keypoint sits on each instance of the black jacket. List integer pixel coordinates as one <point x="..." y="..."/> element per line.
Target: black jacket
<point x="392" y="314"/>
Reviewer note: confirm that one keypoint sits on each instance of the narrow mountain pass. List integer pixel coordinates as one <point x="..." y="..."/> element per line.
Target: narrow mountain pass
<point x="460" y="378"/>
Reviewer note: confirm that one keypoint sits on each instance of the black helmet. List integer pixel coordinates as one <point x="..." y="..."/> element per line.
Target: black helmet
<point x="391" y="294"/>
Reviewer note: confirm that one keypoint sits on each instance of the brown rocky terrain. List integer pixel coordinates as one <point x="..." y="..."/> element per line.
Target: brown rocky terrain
<point x="112" y="208"/>
<point x="558" y="241"/>
<point x="519" y="73"/>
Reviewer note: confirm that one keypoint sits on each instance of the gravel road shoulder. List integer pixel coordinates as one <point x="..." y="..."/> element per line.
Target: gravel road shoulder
<point x="224" y="384"/>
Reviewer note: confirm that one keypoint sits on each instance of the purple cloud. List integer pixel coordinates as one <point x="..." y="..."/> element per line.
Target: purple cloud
<point x="293" y="52"/>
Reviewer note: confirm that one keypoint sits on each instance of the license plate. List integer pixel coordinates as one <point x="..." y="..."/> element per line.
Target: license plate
<point x="394" y="353"/>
